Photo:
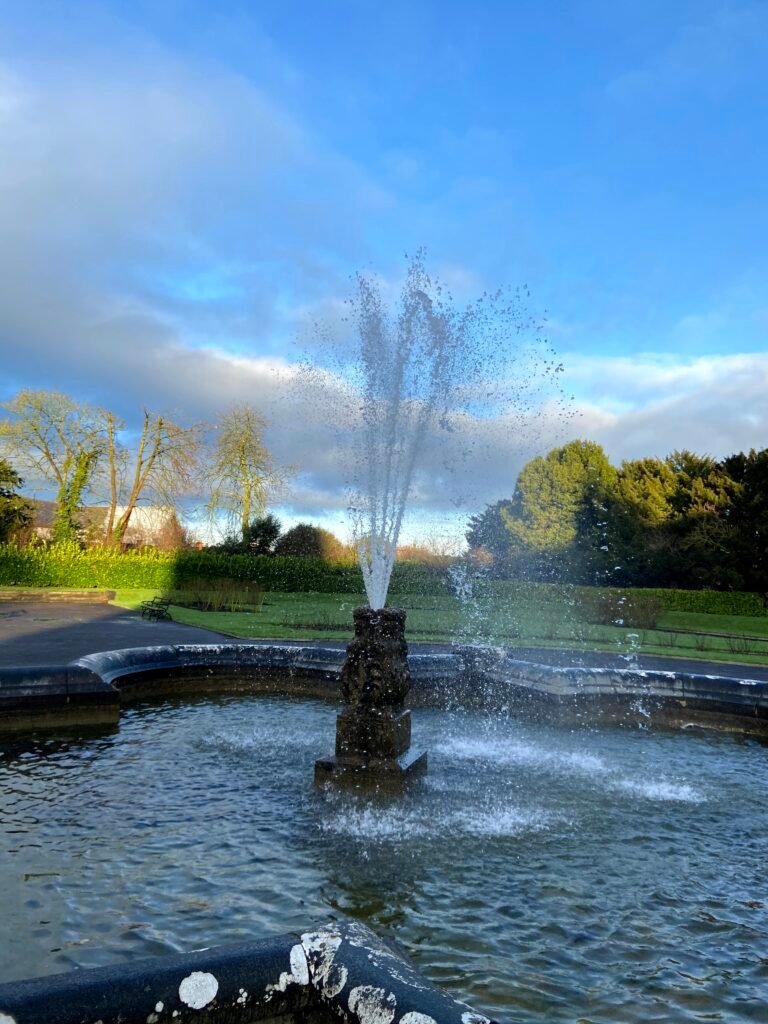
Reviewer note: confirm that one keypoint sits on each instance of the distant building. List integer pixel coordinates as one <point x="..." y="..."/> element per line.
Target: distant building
<point x="150" y="526"/>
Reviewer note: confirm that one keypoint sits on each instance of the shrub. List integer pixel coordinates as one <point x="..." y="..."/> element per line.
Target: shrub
<point x="308" y="541"/>
<point x="708" y="602"/>
<point x="425" y="554"/>
<point x="68" y="565"/>
<point x="218" y="595"/>
<point x="617" y="608"/>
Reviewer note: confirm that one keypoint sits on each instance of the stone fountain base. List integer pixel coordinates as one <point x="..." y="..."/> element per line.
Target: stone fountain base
<point x="372" y="745"/>
<point x="373" y="732"/>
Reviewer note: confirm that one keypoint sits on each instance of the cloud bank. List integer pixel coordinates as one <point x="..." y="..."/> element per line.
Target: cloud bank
<point x="159" y="246"/>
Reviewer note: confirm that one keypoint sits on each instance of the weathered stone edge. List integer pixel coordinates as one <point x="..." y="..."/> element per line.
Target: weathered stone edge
<point x="340" y="969"/>
<point x="92" y="685"/>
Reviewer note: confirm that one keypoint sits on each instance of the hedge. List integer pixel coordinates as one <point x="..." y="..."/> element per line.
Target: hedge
<point x="67" y="565"/>
<point x="708" y="602"/>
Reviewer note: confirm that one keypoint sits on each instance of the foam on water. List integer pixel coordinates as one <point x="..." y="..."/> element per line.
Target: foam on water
<point x="399" y="823"/>
<point x="591" y="767"/>
<point x="659" y="789"/>
<point x="501" y="821"/>
<point x="253" y="740"/>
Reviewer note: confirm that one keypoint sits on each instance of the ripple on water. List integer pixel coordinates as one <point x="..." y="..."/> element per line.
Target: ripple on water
<point x="590" y="767"/>
<point x="401" y="825"/>
<point x="540" y="874"/>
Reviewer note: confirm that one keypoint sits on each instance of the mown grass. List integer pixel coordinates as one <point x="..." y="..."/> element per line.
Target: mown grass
<point x="748" y="625"/>
<point x="439" y="618"/>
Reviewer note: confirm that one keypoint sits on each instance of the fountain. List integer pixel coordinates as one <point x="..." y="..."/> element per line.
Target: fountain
<point x="556" y="863"/>
<point x="418" y="369"/>
<point x="373" y="732"/>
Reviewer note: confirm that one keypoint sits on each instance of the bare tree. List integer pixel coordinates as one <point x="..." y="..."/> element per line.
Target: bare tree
<point x="241" y="475"/>
<point x="116" y="461"/>
<point x="164" y="467"/>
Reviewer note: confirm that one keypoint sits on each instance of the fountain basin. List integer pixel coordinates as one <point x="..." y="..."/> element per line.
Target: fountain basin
<point x="94" y="688"/>
<point x="536" y="872"/>
<point x="314" y="977"/>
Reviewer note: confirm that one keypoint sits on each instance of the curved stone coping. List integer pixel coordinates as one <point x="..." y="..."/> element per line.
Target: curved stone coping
<point x="112" y="666"/>
<point x="33" y="698"/>
<point x="40" y="682"/>
<point x="633" y="682"/>
<point x="341" y="969"/>
<point x="91" y="686"/>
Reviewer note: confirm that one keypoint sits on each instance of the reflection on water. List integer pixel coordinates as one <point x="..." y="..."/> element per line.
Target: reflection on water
<point x="537" y="873"/>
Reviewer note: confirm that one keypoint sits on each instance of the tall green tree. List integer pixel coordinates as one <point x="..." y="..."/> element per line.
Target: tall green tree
<point x="487" y="533"/>
<point x="15" y="511"/>
<point x="687" y="520"/>
<point x="632" y="545"/>
<point x="554" y="495"/>
<point x="749" y="515"/>
<point x="702" y="532"/>
<point x="59" y="440"/>
<point x="648" y="486"/>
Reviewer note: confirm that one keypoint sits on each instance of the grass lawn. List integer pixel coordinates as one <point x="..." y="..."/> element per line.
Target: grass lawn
<point x="311" y="616"/>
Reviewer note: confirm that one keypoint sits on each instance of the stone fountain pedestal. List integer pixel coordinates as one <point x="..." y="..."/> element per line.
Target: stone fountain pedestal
<point x="373" y="732"/>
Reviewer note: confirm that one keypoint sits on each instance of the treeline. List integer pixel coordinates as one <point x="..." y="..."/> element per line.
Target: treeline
<point x="687" y="521"/>
<point x="85" y="454"/>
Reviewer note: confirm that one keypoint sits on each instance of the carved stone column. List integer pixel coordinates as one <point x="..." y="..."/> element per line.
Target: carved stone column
<point x="373" y="732"/>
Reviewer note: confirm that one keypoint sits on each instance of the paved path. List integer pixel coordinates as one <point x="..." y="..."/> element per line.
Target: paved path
<point x="54" y="634"/>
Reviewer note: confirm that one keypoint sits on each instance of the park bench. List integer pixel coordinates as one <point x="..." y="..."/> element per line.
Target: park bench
<point x="156" y="609"/>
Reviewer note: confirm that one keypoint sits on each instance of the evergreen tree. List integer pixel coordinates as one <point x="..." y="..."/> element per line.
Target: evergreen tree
<point x="487" y="533"/>
<point x="749" y="516"/>
<point x="637" y="513"/>
<point x="263" y="534"/>
<point x="15" y="511"/>
<point x="558" y="497"/>
<point x="702" y="533"/>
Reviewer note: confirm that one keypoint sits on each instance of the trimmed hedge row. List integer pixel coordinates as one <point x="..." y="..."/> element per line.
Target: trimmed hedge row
<point x="707" y="602"/>
<point x="67" y="565"/>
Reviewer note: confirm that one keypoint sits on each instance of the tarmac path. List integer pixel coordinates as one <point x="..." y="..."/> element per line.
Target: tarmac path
<point x="48" y="633"/>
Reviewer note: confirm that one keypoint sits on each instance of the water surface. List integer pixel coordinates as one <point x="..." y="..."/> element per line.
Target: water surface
<point x="537" y="873"/>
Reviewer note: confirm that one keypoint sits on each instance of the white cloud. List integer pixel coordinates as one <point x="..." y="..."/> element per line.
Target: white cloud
<point x="649" y="375"/>
<point x="712" y="404"/>
<point x="163" y="227"/>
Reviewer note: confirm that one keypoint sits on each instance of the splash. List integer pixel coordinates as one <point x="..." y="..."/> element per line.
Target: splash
<point x="425" y="370"/>
<point x="592" y="768"/>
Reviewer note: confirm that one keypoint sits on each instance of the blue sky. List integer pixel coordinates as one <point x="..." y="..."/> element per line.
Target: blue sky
<point x="196" y="178"/>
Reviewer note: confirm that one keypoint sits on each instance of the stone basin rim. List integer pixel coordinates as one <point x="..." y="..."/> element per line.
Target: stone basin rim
<point x="336" y="969"/>
<point x="465" y="676"/>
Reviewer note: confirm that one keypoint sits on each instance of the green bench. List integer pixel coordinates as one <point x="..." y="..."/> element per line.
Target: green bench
<point x="156" y="609"/>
